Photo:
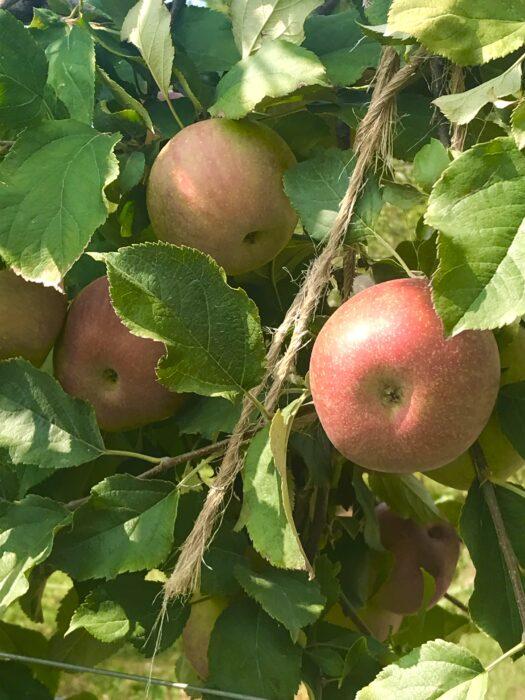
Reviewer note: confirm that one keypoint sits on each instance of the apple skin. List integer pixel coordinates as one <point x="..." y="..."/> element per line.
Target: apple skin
<point x="197" y="632"/>
<point x="217" y="186"/>
<point x="31" y="317"/>
<point x="391" y="392"/>
<point x="98" y="359"/>
<point x="502" y="458"/>
<point x="434" y="547"/>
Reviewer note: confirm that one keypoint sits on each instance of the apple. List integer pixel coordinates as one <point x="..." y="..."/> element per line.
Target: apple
<point x="98" y="359"/>
<point x="197" y="632"/>
<point x="217" y="186"/>
<point x="502" y="458"/>
<point x="31" y="317"/>
<point x="433" y="547"/>
<point x="392" y="393"/>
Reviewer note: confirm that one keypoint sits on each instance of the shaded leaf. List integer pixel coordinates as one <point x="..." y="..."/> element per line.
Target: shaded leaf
<point x="406" y="495"/>
<point x="125" y="99"/>
<point x="429" y="163"/>
<point x="518" y="125"/>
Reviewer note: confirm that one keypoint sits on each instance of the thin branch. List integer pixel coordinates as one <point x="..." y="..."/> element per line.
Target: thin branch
<point x="506" y="655"/>
<point x="350" y="612"/>
<point x="511" y="561"/>
<point x="455" y="601"/>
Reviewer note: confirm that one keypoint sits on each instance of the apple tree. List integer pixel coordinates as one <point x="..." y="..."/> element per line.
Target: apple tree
<point x="262" y="356"/>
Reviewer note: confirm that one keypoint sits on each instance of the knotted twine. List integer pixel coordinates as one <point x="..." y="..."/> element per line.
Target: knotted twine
<point x="371" y="140"/>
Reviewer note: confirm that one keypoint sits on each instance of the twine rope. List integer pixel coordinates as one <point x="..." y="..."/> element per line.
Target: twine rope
<point x="372" y="139"/>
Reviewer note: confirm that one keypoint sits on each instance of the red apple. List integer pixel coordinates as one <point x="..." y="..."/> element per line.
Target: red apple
<point x="433" y="547"/>
<point x="392" y="393"/>
<point x="217" y="186"/>
<point x="31" y="317"/>
<point x="98" y="359"/>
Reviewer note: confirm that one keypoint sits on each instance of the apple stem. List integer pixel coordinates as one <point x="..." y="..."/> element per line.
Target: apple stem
<point x="506" y="655"/>
<point x="350" y="612"/>
<point x="455" y="601"/>
<point x="511" y="561"/>
<point x="188" y="91"/>
<point x="175" y="115"/>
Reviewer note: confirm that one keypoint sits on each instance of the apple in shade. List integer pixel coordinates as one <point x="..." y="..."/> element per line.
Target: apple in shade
<point x="31" y="317"/>
<point x="218" y="186"/>
<point x="392" y="393"/>
<point x="502" y="458"/>
<point x="433" y="547"/>
<point x="98" y="359"/>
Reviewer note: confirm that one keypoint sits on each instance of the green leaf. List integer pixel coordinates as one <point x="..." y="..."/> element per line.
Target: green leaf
<point x="22" y="80"/>
<point x="462" y="107"/>
<point x="511" y="413"/>
<point x="27" y="530"/>
<point x="478" y="205"/>
<point x="435" y="670"/>
<point x="128" y="608"/>
<point x="277" y="69"/>
<point x="208" y="417"/>
<point x="466" y="34"/>
<point x="406" y="495"/>
<point x="225" y="553"/>
<point x="131" y="170"/>
<point x="127" y="525"/>
<point x="436" y="623"/>
<point x="147" y="26"/>
<point x="341" y="45"/>
<point x="18" y="682"/>
<point x="41" y="424"/>
<point x="171" y="294"/>
<point x="46" y="221"/>
<point x="266" y="521"/>
<point x="317" y="186"/>
<point x="429" y="163"/>
<point x="116" y="9"/>
<point x="255" y="22"/>
<point x="207" y="38"/>
<point x="125" y="99"/>
<point x="251" y="653"/>
<point x="517" y="121"/>
<point x="367" y="502"/>
<point x="280" y="430"/>
<point x="492" y="604"/>
<point x="287" y="596"/>
<point x="72" y="70"/>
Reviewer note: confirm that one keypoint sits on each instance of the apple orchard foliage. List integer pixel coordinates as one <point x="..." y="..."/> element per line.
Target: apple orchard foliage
<point x="82" y="118"/>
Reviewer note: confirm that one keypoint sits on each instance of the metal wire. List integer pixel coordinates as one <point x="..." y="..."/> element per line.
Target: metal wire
<point x="125" y="676"/>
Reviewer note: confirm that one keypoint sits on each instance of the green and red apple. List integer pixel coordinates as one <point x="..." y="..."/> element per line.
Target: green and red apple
<point x="99" y="360"/>
<point x="392" y="393"/>
<point x="31" y="317"/>
<point x="217" y="186"/>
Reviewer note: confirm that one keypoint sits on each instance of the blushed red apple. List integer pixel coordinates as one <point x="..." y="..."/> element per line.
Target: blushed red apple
<point x="98" y="359"/>
<point x="31" y="317"/>
<point x="392" y="393"/>
<point x="218" y="186"/>
<point x="433" y="547"/>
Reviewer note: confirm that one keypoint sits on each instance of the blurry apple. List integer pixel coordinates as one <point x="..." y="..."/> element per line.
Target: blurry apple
<point x="217" y="186"/>
<point x="392" y="393"/>
<point x="98" y="359"/>
<point x="197" y="632"/>
<point x="31" y="317"/>
<point x="433" y="547"/>
<point x="502" y="458"/>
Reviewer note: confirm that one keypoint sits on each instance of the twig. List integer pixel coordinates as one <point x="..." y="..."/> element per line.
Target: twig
<point x="506" y="655"/>
<point x="511" y="561"/>
<point x="455" y="601"/>
<point x="146" y="680"/>
<point x="350" y="612"/>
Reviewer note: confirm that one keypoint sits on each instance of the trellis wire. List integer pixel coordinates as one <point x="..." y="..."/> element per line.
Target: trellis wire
<point x="146" y="680"/>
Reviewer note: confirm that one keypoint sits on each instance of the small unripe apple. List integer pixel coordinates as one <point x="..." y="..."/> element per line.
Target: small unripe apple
<point x="217" y="186"/>
<point x="392" y="393"/>
<point x="502" y="459"/>
<point x="98" y="359"/>
<point x="31" y="317"/>
<point x="433" y="547"/>
<point x="197" y="632"/>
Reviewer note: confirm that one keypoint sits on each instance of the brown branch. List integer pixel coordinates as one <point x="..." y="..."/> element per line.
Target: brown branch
<point x="511" y="561"/>
<point x="350" y="612"/>
<point x="455" y="601"/>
